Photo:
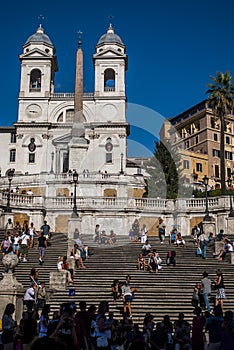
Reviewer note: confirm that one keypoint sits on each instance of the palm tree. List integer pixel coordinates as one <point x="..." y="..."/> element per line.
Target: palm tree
<point x="221" y="99"/>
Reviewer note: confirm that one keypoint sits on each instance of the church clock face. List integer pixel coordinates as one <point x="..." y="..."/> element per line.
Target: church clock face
<point x="33" y="110"/>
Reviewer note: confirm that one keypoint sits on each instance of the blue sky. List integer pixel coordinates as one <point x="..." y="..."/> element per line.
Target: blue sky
<point x="173" y="48"/>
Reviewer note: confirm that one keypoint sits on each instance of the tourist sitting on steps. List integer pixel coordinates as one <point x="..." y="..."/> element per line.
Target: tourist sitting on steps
<point x="227" y="248"/>
<point x="152" y="265"/>
<point x="172" y="236"/>
<point x="179" y="241"/>
<point x="141" y="265"/>
<point x="76" y="253"/>
<point x="61" y="267"/>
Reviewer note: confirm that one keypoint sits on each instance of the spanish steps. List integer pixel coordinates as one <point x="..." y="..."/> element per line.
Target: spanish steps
<point x="167" y="292"/>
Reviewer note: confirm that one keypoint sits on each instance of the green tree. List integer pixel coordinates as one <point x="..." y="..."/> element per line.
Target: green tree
<point x="221" y="99"/>
<point x="163" y="170"/>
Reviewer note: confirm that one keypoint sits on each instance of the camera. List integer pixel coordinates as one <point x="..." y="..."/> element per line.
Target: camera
<point x="70" y="308"/>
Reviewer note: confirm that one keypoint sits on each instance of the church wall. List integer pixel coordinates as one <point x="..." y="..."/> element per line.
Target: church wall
<point x="110" y="110"/>
<point x="5" y="145"/>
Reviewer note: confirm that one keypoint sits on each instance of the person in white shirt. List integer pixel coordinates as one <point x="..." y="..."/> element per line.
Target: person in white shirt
<point x="146" y="248"/>
<point x="24" y="244"/>
<point x="16" y="243"/>
<point x="60" y="267"/>
<point x="144" y="234"/>
<point x="227" y="248"/>
<point x="32" y="233"/>
<point x="29" y="296"/>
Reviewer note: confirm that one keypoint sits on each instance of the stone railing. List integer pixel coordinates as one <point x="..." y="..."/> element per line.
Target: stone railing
<point x="17" y="200"/>
<point x="157" y="205"/>
<point x="70" y="94"/>
<point x="213" y="203"/>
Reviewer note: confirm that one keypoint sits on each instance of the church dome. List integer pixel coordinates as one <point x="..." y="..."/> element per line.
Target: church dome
<point x="110" y="37"/>
<point x="39" y="36"/>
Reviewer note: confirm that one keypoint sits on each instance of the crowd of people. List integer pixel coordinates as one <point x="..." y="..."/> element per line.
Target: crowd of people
<point x="202" y="241"/>
<point x="96" y="328"/>
<point x="18" y="240"/>
<point x="101" y="237"/>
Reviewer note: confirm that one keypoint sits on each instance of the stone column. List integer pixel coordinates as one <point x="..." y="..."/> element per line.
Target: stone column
<point x="11" y="291"/>
<point x="209" y="226"/>
<point x="230" y="225"/>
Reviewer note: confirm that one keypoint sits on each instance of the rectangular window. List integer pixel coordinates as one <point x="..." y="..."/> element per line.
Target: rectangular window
<point x="196" y="140"/>
<point x="108" y="157"/>
<point x="229" y="172"/>
<point x="31" y="158"/>
<point x="216" y="171"/>
<point x="215" y="137"/>
<point x="199" y="167"/>
<point x="227" y="140"/>
<point x="216" y="153"/>
<point x="186" y="164"/>
<point x="13" y="137"/>
<point x="12" y="155"/>
<point x="186" y="145"/>
<point x="228" y="155"/>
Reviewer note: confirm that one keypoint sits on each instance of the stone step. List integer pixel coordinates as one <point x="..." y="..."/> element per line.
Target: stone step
<point x="167" y="292"/>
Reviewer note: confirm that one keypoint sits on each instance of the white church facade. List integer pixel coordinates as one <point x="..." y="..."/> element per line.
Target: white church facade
<point x="58" y="133"/>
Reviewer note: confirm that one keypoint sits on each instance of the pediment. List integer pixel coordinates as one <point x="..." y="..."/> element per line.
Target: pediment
<point x="35" y="53"/>
<point x="62" y="139"/>
<point x="109" y="53"/>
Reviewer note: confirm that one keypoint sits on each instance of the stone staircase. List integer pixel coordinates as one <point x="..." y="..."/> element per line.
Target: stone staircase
<point x="167" y="292"/>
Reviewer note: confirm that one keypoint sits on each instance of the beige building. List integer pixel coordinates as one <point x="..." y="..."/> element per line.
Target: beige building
<point x="196" y="133"/>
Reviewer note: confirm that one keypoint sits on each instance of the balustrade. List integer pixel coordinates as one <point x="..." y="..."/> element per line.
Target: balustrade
<point x="157" y="205"/>
<point x="70" y="94"/>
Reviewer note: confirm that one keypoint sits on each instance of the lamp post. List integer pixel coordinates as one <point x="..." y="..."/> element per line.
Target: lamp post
<point x="10" y="177"/>
<point x="229" y="182"/>
<point x="207" y="216"/>
<point x="75" y="180"/>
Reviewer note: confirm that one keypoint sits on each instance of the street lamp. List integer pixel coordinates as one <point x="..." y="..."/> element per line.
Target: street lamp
<point x="207" y="216"/>
<point x="75" y="180"/>
<point x="10" y="177"/>
<point x="229" y="182"/>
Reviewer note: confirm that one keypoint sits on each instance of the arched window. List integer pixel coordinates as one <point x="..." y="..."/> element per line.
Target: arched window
<point x="60" y="118"/>
<point x="35" y="80"/>
<point x="69" y="115"/>
<point x="109" y="80"/>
